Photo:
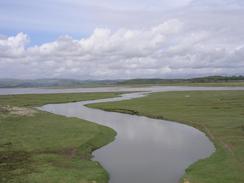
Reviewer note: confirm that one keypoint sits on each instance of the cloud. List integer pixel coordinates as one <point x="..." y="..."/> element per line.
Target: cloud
<point x="166" y="50"/>
<point x="213" y="4"/>
<point x="139" y="39"/>
<point x="13" y="47"/>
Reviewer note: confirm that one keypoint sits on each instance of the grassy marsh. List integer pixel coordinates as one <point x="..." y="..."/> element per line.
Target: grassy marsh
<point x="220" y="114"/>
<point x="37" y="147"/>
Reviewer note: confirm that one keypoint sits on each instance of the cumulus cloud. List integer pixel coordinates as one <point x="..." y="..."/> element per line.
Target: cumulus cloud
<point x="165" y="50"/>
<point x="13" y="46"/>
<point x="182" y="39"/>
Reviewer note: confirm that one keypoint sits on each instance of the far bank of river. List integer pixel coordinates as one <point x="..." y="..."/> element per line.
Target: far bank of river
<point x="13" y="91"/>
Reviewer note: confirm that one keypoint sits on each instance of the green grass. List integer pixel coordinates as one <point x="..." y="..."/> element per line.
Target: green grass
<point x="220" y="114"/>
<point x="42" y="99"/>
<point x="219" y="84"/>
<point x="214" y="84"/>
<point x="44" y="147"/>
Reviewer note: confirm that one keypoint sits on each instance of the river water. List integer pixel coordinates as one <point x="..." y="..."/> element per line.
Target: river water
<point x="11" y="91"/>
<point x="145" y="150"/>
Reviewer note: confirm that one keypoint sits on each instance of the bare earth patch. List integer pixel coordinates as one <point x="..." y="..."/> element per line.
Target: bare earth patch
<point x="19" y="111"/>
<point x="186" y="181"/>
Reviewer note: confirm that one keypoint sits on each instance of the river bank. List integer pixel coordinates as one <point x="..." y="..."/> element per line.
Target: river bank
<point x="39" y="147"/>
<point x="210" y="111"/>
<point x="218" y="113"/>
<point x="145" y="149"/>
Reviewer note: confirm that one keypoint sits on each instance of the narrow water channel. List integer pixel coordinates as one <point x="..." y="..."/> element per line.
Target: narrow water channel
<point x="145" y="150"/>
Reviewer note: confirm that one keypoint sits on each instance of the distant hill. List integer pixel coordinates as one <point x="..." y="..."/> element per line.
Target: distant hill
<point x="16" y="83"/>
<point x="72" y="83"/>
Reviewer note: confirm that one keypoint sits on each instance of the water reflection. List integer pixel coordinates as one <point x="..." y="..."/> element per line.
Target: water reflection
<point x="145" y="150"/>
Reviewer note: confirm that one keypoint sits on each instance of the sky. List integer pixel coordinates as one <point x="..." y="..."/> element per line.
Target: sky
<point x="114" y="39"/>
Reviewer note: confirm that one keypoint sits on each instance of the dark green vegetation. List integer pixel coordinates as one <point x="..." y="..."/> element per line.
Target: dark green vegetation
<point x="203" y="81"/>
<point x="68" y="83"/>
<point x="220" y="114"/>
<point x="38" y="147"/>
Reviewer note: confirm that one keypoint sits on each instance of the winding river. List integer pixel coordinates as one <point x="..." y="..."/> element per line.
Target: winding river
<point x="145" y="150"/>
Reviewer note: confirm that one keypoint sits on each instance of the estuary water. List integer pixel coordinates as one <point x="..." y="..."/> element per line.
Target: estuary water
<point x="13" y="91"/>
<point x="145" y="150"/>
